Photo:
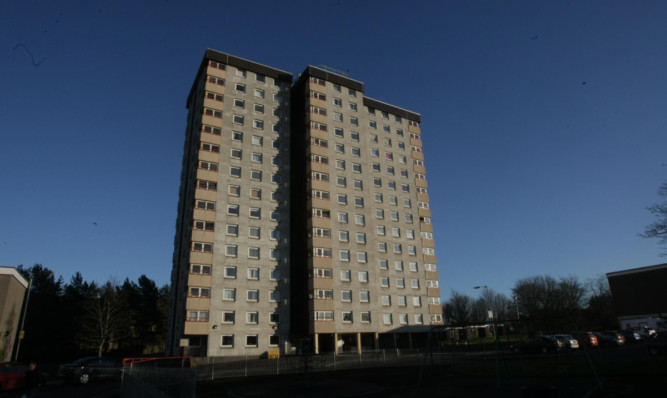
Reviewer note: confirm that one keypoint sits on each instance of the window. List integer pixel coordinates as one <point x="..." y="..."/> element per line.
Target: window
<point x="428" y="251"/>
<point x="407" y="203"/>
<point x="365" y="317"/>
<point x="358" y="201"/>
<point x="400" y="283"/>
<point x="353" y="106"/>
<point x="384" y="282"/>
<point x="342" y="199"/>
<point x="205" y="225"/>
<point x="362" y="257"/>
<point x="251" y="341"/>
<point x="323" y="273"/>
<point x="361" y="238"/>
<point x="342" y="217"/>
<point x="319" y="176"/>
<point x="319" y="96"/>
<point x="255" y="212"/>
<point x="338" y="116"/>
<point x="259" y="93"/>
<point x="208" y="185"/>
<point x="408" y="218"/>
<point x="419" y="319"/>
<point x="380" y="230"/>
<point x="346" y="295"/>
<point x="375" y="166"/>
<point x="258" y="124"/>
<point x="253" y="252"/>
<point x="275" y="216"/>
<point x="229" y="294"/>
<point x="205" y="205"/>
<point x="202" y="292"/>
<point x="336" y="87"/>
<point x="205" y="146"/>
<point x="322" y="232"/>
<point x="356" y="167"/>
<point x="321" y="252"/>
<point x="253" y="274"/>
<point x="231" y="250"/>
<point x="254" y="232"/>
<point x="237" y="136"/>
<point x="235" y="153"/>
<point x="230" y="272"/>
<point x="372" y="125"/>
<point x="340" y="164"/>
<point x="252" y="295"/>
<point x="260" y="78"/>
<point x="259" y="108"/>
<point x="337" y="102"/>
<point x="359" y="219"/>
<point x="396" y="232"/>
<point x="375" y="152"/>
<point x="416" y="301"/>
<point x="338" y="132"/>
<point x="394" y="216"/>
<point x="274" y="275"/>
<point x="383" y="264"/>
<point x="345" y="275"/>
<point x="390" y="170"/>
<point x="340" y="148"/>
<point x="341" y="181"/>
<point x="347" y="316"/>
<point x="364" y="296"/>
<point x="323" y="316"/>
<point x="275" y="234"/>
<point x="344" y="236"/>
<point x="235" y="171"/>
<point x="413" y="267"/>
<point x="354" y="136"/>
<point x="324" y="294"/>
<point x="257" y="140"/>
<point x="354" y="121"/>
<point x="382" y="247"/>
<point x="276" y="196"/>
<point x="208" y="166"/>
<point x="403" y="319"/>
<point x="402" y="159"/>
<point x="358" y="184"/>
<point x="274" y="340"/>
<point x="377" y="182"/>
<point x="386" y="300"/>
<point x="213" y="113"/>
<point x="274" y="317"/>
<point x="240" y="72"/>
<point x="344" y="255"/>
<point x="391" y="185"/>
<point x="255" y="193"/>
<point x="274" y="296"/>
<point x="351" y="92"/>
<point x="233" y="210"/>
<point x="321" y="213"/>
<point x="239" y="103"/>
<point x="240" y="88"/>
<point x="363" y="276"/>
<point x="252" y="317"/>
<point x="398" y="265"/>
<point x="414" y="283"/>
<point x="216" y="80"/>
<point x="256" y="175"/>
<point x="386" y="319"/>
<point x="202" y="247"/>
<point x="402" y="301"/>
<point x="398" y="248"/>
<point x="386" y="128"/>
<point x="412" y="250"/>
<point x="200" y="269"/>
<point x="198" y="316"/>
<point x="228" y="317"/>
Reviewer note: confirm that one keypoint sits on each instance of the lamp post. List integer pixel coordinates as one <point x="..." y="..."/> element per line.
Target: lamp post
<point x="516" y="302"/>
<point x="495" y="331"/>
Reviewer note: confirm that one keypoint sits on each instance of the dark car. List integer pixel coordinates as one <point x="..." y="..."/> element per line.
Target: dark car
<point x="539" y="344"/>
<point x="631" y="336"/>
<point x="12" y="375"/>
<point x="606" y="340"/>
<point x="91" y="368"/>
<point x="587" y="338"/>
<point x="657" y="344"/>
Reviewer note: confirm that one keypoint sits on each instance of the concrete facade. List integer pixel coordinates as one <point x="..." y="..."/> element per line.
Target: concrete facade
<point x="12" y="292"/>
<point x="345" y="255"/>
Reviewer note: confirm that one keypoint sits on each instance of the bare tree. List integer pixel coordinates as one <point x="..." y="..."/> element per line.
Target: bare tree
<point x="658" y="229"/>
<point x="458" y="309"/>
<point x="105" y="319"/>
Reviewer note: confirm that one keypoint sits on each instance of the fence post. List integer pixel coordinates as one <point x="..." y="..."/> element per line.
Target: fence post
<point x="246" y="366"/>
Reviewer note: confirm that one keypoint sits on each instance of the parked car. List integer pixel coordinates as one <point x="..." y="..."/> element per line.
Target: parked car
<point x="539" y="344"/>
<point x="631" y="336"/>
<point x="616" y="335"/>
<point x="12" y="375"/>
<point x="588" y="338"/>
<point x="657" y="344"/>
<point x="91" y="368"/>
<point x="568" y="341"/>
<point x="605" y="340"/>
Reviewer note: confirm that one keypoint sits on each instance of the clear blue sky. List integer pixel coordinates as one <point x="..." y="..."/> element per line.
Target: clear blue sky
<point x="544" y="123"/>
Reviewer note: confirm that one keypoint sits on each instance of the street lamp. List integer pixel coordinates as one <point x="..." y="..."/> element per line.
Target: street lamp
<point x="495" y="332"/>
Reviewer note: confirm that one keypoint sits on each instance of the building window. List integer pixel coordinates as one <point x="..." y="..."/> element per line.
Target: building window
<point x="363" y="276"/>
<point x="202" y="247"/>
<point x="204" y="225"/>
<point x="237" y="136"/>
<point x="384" y="282"/>
<point x="260" y="78"/>
<point x="274" y="275"/>
<point x="253" y="252"/>
<point x="344" y="255"/>
<point x="359" y="219"/>
<point x="365" y="317"/>
<point x="240" y="88"/>
<point x="364" y="296"/>
<point x="216" y="80"/>
<point x="201" y="292"/>
<point x="356" y="167"/>
<point x="346" y="296"/>
<point x="228" y="317"/>
<point x="386" y="319"/>
<point x="345" y="275"/>
<point x="416" y="301"/>
<point x="232" y="230"/>
<point x="274" y="317"/>
<point x="213" y="113"/>
<point x="361" y="238"/>
<point x="338" y="102"/>
<point x="347" y="316"/>
<point x="233" y="210"/>
<point x="274" y="296"/>
<point x="259" y="108"/>
<point x="252" y="318"/>
<point x="362" y="257"/>
<point x="252" y="295"/>
<point x="255" y="193"/>
<point x="198" y="316"/>
<point x="256" y="175"/>
<point x="253" y="274"/>
<point x="398" y="265"/>
<point x="382" y="247"/>
<point x="257" y="140"/>
<point x="205" y="205"/>
<point x="231" y="250"/>
<point x="323" y="294"/>
<point x="323" y="273"/>
<point x="200" y="269"/>
<point x="414" y="283"/>
<point x="354" y="121"/>
<point x="259" y="93"/>
<point x="274" y="340"/>
<point x="229" y="294"/>
<point x="400" y="283"/>
<point x="251" y="340"/>
<point x="342" y="199"/>
<point x="255" y="212"/>
<point x="402" y="301"/>
<point x="342" y="217"/>
<point x="344" y="236"/>
<point x="386" y="300"/>
<point x="235" y="171"/>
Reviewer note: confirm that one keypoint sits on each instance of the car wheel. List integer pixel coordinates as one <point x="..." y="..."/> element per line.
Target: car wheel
<point x="84" y="378"/>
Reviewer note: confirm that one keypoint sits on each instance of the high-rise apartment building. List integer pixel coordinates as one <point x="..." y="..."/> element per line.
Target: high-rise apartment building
<point x="303" y="219"/>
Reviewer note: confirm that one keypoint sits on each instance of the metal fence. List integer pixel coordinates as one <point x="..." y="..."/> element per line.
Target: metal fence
<point x="141" y="382"/>
<point x="212" y="368"/>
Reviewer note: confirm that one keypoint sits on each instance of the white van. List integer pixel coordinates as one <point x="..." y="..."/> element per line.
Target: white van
<point x="657" y="324"/>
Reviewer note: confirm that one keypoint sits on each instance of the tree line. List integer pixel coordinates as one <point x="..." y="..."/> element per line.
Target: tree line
<point x="539" y="303"/>
<point x="65" y="321"/>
